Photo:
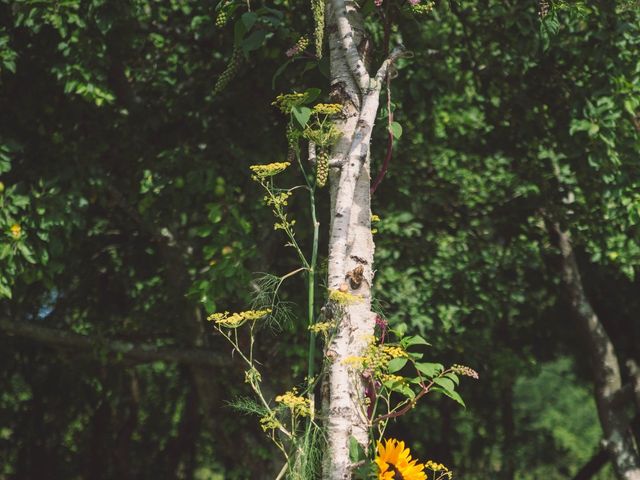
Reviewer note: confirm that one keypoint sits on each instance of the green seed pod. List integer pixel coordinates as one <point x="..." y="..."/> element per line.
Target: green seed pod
<point x="292" y="137"/>
<point x="221" y="19"/>
<point x="322" y="168"/>
<point x="302" y="44"/>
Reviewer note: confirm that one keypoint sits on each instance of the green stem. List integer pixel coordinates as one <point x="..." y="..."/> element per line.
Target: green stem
<point x="311" y="285"/>
<point x="312" y="277"/>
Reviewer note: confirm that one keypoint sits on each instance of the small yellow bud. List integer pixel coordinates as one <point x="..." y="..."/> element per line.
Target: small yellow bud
<point x="16" y="231"/>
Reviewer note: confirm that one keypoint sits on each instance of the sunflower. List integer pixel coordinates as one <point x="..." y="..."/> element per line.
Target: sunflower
<point x="394" y="462"/>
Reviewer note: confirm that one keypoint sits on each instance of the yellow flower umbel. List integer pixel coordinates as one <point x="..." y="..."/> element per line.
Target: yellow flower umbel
<point x="268" y="170"/>
<point x="438" y="469"/>
<point x="395" y="463"/>
<point x="286" y="101"/>
<point x="344" y="298"/>
<point x="327" y="108"/>
<point x="322" y="327"/>
<point x="297" y="404"/>
<point x="234" y="320"/>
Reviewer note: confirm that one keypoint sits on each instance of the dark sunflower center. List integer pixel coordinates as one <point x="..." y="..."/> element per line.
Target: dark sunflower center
<point x="396" y="473"/>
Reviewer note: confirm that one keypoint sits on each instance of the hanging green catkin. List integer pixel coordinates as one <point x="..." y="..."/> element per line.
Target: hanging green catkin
<point x="229" y="72"/>
<point x="292" y="143"/>
<point x="317" y="7"/>
<point x="322" y="168"/>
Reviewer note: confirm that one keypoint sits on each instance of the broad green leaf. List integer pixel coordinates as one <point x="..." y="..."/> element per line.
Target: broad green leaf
<point x="20" y="200"/>
<point x="454" y="378"/>
<point x="405" y="390"/>
<point x="396" y="364"/>
<point x="5" y="291"/>
<point x="5" y="164"/>
<point x="26" y="252"/>
<point x="254" y="41"/>
<point x="308" y="66"/>
<point x="302" y="115"/>
<point x="429" y="369"/>
<point x="451" y="394"/>
<point x="392" y="384"/>
<point x="579" y="126"/>
<point x="396" y="129"/>
<point x="445" y="383"/>
<point x="239" y="31"/>
<point x="249" y="19"/>
<point x="279" y="72"/>
<point x="272" y="11"/>
<point x="413" y="340"/>
<point x="356" y="452"/>
<point x="311" y="94"/>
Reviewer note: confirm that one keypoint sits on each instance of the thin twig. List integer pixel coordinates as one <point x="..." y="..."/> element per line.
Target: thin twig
<point x="387" y="158"/>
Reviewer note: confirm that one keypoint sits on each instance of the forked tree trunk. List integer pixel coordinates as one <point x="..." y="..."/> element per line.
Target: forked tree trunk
<point x="618" y="439"/>
<point x="350" y="241"/>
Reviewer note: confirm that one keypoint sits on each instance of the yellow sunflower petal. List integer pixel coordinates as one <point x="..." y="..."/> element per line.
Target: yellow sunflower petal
<point x="394" y="459"/>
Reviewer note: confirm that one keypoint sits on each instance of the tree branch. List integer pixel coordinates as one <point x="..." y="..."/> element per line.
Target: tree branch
<point x="593" y="466"/>
<point x="383" y="71"/>
<point x="634" y="372"/>
<point x="351" y="54"/>
<point x="132" y="352"/>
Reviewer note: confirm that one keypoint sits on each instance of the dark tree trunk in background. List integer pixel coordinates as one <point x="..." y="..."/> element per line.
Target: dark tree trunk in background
<point x="605" y="368"/>
<point x="508" y="469"/>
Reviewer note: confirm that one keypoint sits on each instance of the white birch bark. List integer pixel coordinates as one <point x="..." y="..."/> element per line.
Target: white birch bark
<point x="350" y="239"/>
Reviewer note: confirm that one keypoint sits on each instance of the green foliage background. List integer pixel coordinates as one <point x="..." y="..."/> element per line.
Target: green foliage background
<point x="129" y="180"/>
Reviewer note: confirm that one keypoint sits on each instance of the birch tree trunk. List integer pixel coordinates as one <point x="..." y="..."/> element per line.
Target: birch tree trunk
<point x="350" y="240"/>
<point x="618" y="439"/>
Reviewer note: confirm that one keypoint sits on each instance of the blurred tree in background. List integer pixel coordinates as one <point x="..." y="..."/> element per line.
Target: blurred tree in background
<point x="127" y="214"/>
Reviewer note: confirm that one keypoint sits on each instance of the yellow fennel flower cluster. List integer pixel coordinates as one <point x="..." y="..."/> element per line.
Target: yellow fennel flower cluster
<point x="438" y="467"/>
<point x="322" y="327"/>
<point x="286" y="101"/>
<point x="354" y="361"/>
<point x="393" y="351"/>
<point x="296" y="403"/>
<point x="327" y="108"/>
<point x="343" y="298"/>
<point x="277" y="200"/>
<point x="269" y="422"/>
<point x="234" y="320"/>
<point x="268" y="170"/>
<point x="392" y="378"/>
<point x="375" y="359"/>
